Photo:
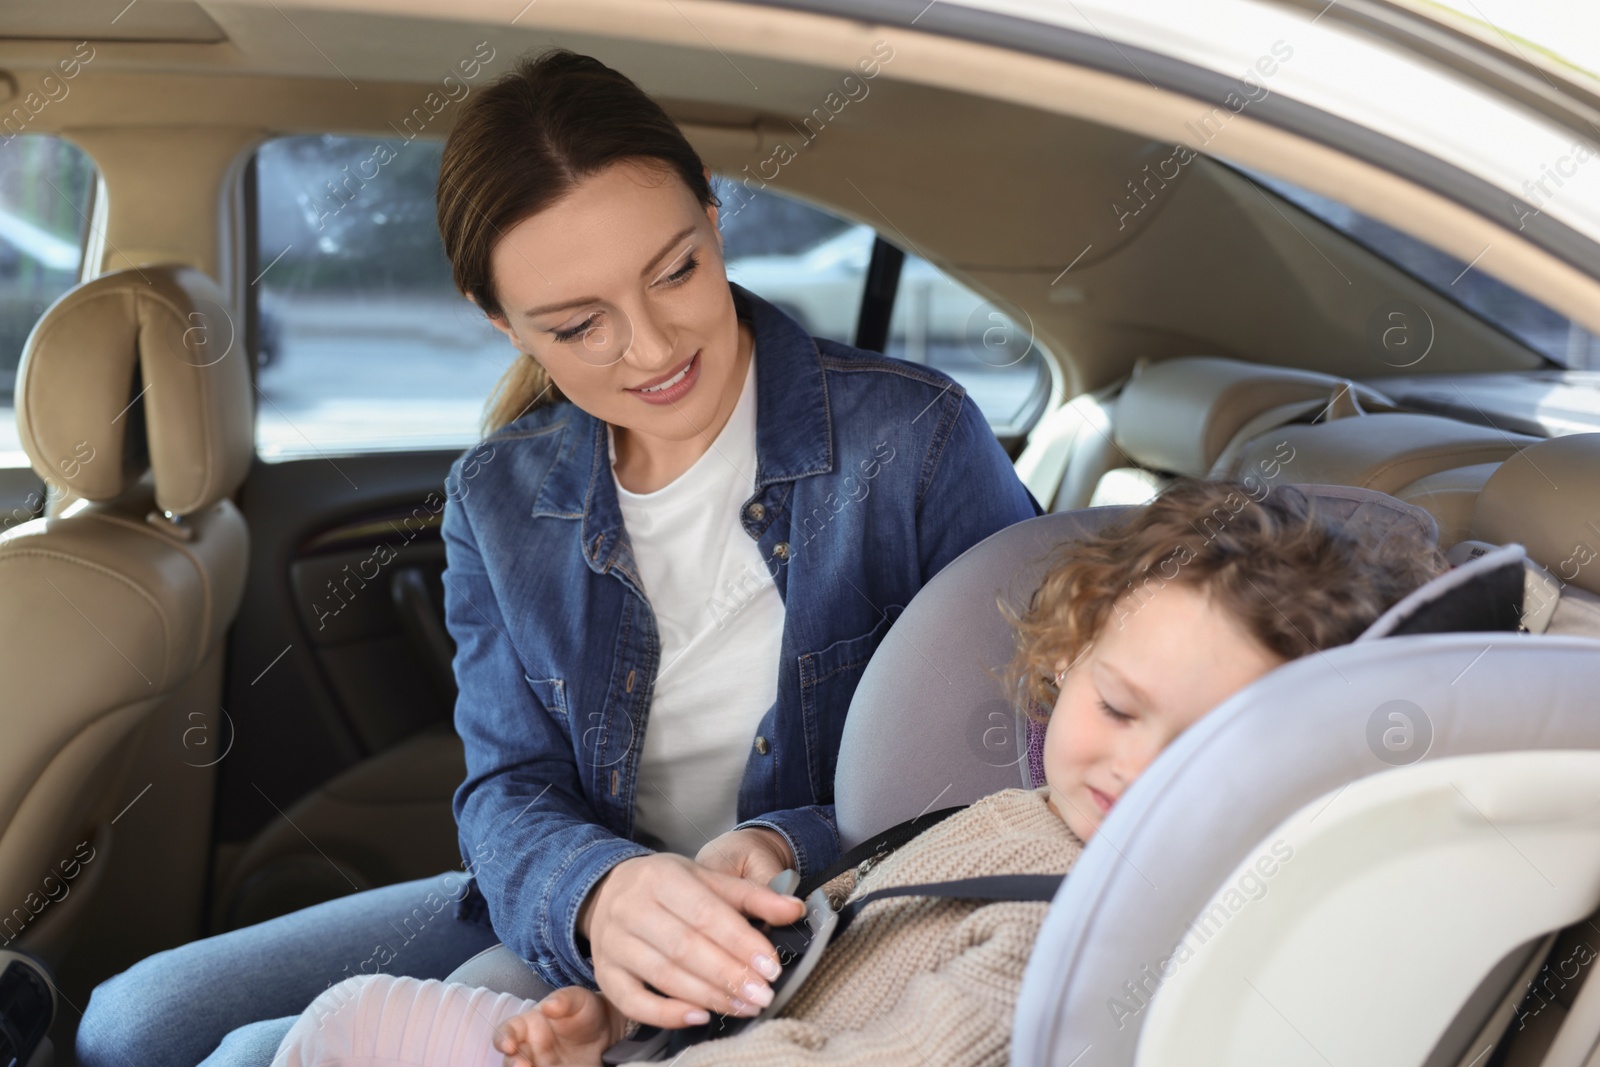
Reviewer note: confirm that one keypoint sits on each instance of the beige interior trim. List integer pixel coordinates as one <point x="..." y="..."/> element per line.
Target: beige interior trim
<point x="189" y="165"/>
<point x="1055" y="86"/>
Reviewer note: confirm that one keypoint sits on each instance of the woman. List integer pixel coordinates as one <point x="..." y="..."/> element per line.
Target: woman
<point x="689" y="514"/>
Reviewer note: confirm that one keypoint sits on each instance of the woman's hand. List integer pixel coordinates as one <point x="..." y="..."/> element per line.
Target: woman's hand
<point x="570" y="1028"/>
<point x="681" y="927"/>
<point x="755" y="854"/>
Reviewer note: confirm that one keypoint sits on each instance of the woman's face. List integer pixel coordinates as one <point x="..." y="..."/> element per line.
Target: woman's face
<point x="1140" y="685"/>
<point x="619" y="291"/>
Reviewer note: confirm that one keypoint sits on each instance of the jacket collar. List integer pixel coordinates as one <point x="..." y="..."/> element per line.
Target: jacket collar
<point x="794" y="431"/>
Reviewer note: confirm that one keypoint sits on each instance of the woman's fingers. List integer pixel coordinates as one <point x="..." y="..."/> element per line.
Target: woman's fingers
<point x="714" y="906"/>
<point x="684" y="930"/>
<point x="749" y="898"/>
<point x="636" y="1002"/>
<point x="754" y="852"/>
<point x="677" y="972"/>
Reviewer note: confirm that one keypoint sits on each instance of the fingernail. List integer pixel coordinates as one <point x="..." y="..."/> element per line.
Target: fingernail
<point x="739" y="1006"/>
<point x="766" y="965"/>
<point x="696" y="1018"/>
<point x="756" y="993"/>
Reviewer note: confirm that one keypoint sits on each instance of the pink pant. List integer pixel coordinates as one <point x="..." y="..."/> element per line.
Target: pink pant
<point x="380" y="1020"/>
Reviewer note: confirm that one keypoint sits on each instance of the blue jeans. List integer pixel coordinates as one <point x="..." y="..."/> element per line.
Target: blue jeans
<point x="230" y="999"/>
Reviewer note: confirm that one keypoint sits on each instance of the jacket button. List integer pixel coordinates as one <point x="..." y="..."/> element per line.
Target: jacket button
<point x="762" y="746"/>
<point x="781" y="550"/>
<point x="756" y="512"/>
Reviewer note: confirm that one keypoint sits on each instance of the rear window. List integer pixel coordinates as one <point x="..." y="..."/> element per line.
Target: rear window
<point x="1542" y="329"/>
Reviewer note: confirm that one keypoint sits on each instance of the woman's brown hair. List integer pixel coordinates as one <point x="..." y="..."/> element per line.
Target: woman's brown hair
<point x="1295" y="580"/>
<point x="521" y="144"/>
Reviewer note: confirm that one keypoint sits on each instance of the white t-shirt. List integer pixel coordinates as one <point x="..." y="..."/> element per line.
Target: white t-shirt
<point x="720" y="621"/>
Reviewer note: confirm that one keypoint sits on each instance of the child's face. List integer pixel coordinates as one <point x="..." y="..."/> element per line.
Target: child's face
<point x="1157" y="668"/>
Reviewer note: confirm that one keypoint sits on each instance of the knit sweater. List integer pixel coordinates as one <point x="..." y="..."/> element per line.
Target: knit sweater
<point x="920" y="981"/>
<point x="913" y="982"/>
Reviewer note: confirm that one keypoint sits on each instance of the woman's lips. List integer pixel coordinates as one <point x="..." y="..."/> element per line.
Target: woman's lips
<point x="682" y="379"/>
<point x="1100" y="799"/>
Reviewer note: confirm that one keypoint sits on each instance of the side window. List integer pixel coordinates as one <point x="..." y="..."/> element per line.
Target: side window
<point x="363" y="343"/>
<point x="813" y="265"/>
<point x="940" y="322"/>
<point x="46" y="190"/>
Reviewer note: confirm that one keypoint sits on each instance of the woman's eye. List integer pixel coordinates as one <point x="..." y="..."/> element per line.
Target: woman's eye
<point x="677" y="277"/>
<point x="681" y="275"/>
<point x="1116" y="715"/>
<point x="565" y="336"/>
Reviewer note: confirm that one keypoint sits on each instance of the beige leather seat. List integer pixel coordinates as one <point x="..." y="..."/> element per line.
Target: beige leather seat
<point x="1386" y="452"/>
<point x="1180" y="416"/>
<point x="1547" y="498"/>
<point x="133" y="395"/>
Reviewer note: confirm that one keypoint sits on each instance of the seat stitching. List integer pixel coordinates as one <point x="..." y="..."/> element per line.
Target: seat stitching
<point x="166" y="633"/>
<point x="206" y="592"/>
<point x="1441" y="452"/>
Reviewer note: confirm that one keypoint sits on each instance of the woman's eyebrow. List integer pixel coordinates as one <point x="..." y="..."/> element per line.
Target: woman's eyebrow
<point x="648" y="267"/>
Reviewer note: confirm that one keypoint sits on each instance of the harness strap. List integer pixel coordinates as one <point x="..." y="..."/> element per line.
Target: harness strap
<point x="996" y="887"/>
<point x="876" y="845"/>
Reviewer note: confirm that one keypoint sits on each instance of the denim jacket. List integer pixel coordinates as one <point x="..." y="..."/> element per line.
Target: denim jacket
<point x="872" y="474"/>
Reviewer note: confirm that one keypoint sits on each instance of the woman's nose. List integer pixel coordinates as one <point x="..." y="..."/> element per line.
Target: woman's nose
<point x="649" y="347"/>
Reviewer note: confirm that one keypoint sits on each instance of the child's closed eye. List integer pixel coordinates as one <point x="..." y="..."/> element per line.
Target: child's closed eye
<point x="1114" y="714"/>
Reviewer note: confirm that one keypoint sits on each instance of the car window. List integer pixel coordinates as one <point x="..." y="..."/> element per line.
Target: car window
<point x="813" y="265"/>
<point x="988" y="348"/>
<point x="46" y="190"/>
<point x="363" y="342"/>
<point x="1542" y="329"/>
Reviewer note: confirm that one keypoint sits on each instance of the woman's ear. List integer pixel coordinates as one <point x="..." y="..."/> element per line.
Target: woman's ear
<point x="499" y="322"/>
<point x="714" y="213"/>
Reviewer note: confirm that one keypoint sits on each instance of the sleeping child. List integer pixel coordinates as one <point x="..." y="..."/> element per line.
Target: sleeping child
<point x="1121" y="665"/>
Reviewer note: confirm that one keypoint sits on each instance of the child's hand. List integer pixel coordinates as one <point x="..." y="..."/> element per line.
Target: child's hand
<point x="570" y="1028"/>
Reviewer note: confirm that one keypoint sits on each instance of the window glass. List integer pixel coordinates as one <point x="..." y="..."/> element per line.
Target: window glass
<point x="1547" y="332"/>
<point x="940" y="322"/>
<point x="804" y="260"/>
<point x="363" y="341"/>
<point x="813" y="265"/>
<point x="46" y="185"/>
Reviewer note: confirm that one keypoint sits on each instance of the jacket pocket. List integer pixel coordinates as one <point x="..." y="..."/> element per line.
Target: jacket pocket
<point x="551" y="692"/>
<point x="828" y="680"/>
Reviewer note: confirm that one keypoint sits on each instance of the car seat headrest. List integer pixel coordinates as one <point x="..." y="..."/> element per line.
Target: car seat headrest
<point x="928" y="696"/>
<point x="1386" y="451"/>
<point x="1179" y="415"/>
<point x="1547" y="497"/>
<point x="141" y="368"/>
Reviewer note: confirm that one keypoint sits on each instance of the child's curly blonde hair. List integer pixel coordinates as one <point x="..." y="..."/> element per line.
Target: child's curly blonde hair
<point x="1297" y="581"/>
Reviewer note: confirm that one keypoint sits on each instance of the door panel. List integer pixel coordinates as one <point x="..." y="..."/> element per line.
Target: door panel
<point x="307" y="700"/>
